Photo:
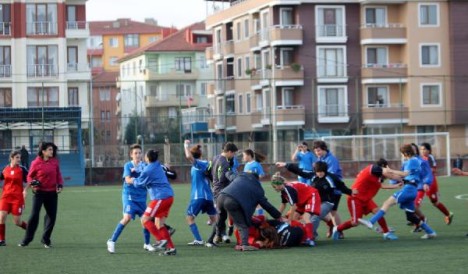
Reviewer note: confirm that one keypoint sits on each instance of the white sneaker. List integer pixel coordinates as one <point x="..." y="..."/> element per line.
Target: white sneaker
<point x="162" y="245"/>
<point x="149" y="247"/>
<point x="195" y="242"/>
<point x="366" y="223"/>
<point x="226" y="239"/>
<point x="111" y="246"/>
<point x="429" y="236"/>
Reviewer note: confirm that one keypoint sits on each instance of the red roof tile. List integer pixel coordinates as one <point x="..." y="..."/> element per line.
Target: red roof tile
<point x="105" y="78"/>
<point x="123" y="26"/>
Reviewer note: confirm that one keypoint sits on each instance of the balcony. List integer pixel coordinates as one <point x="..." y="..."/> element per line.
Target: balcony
<point x="227" y="49"/>
<point x="331" y="34"/>
<point x="152" y="75"/>
<point x="41" y="28"/>
<point x="209" y="52"/>
<point x="286" y="35"/>
<point x="293" y="115"/>
<point x="5" y="71"/>
<point x="384" y="74"/>
<point x="78" y="71"/>
<point x="244" y="123"/>
<point x="224" y="85"/>
<point x="253" y="42"/>
<point x="231" y="122"/>
<point x="256" y="117"/>
<point x="210" y="90"/>
<point x="42" y="70"/>
<point x="332" y="73"/>
<point x="77" y="30"/>
<point x="333" y="113"/>
<point x="171" y="101"/>
<point x="5" y="28"/>
<point x="383" y="34"/>
<point x="220" y="122"/>
<point x="385" y="114"/>
<point x="289" y="75"/>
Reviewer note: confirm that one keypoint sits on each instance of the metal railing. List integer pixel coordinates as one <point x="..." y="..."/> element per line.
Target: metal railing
<point x="330" y="30"/>
<point x="42" y="70"/>
<point x="41" y="28"/>
<point x="5" y="28"/>
<point x="332" y="110"/>
<point x="77" y="25"/>
<point x="5" y="71"/>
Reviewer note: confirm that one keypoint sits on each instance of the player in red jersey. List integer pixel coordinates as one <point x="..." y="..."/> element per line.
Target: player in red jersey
<point x="433" y="192"/>
<point x="13" y="196"/>
<point x="368" y="183"/>
<point x="303" y="199"/>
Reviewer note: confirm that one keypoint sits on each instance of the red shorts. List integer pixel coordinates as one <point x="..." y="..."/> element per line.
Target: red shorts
<point x="312" y="205"/>
<point x="14" y="208"/>
<point x="159" y="208"/>
<point x="432" y="194"/>
<point x="358" y="208"/>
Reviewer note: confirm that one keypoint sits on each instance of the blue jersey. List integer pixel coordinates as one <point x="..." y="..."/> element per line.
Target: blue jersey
<point x="132" y="192"/>
<point x="254" y="167"/>
<point x="332" y="163"/>
<point x="155" y="180"/>
<point x="413" y="167"/>
<point x="235" y="164"/>
<point x="426" y="176"/>
<point x="306" y="160"/>
<point x="200" y="183"/>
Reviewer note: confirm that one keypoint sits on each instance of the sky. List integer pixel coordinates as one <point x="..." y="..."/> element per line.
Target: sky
<point x="178" y="13"/>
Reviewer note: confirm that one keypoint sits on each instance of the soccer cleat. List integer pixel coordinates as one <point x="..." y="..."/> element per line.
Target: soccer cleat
<point x="162" y="245"/>
<point x="416" y="229"/>
<point x="209" y="222"/>
<point x="366" y="223"/>
<point x="335" y="233"/>
<point x="448" y="219"/>
<point x="249" y="248"/>
<point x="230" y="230"/>
<point x="390" y="236"/>
<point x="169" y="252"/>
<point x="111" y="246"/>
<point x="217" y="239"/>
<point x="226" y="239"/>
<point x="23" y="244"/>
<point x="195" y="242"/>
<point x="149" y="247"/>
<point x="309" y="242"/>
<point x="211" y="244"/>
<point x="46" y="245"/>
<point x="429" y="236"/>
<point x="379" y="229"/>
<point x="171" y="231"/>
<point x="2" y="243"/>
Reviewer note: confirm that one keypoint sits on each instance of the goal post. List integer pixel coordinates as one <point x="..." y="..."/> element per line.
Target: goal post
<point x="356" y="151"/>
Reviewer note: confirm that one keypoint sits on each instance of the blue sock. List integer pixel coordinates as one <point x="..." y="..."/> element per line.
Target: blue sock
<point x="377" y="216"/>
<point x="146" y="236"/>
<point x="118" y="229"/>
<point x="196" y="234"/>
<point x="427" y="228"/>
<point x="259" y="211"/>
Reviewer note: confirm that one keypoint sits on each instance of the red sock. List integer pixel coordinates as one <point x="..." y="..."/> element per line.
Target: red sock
<point x="166" y="236"/>
<point x="443" y="209"/>
<point x="383" y="225"/>
<point x="330" y="223"/>
<point x="309" y="230"/>
<point x="230" y="221"/>
<point x="346" y="225"/>
<point x="23" y="225"/>
<point x="2" y="232"/>
<point x="152" y="229"/>
<point x="238" y="238"/>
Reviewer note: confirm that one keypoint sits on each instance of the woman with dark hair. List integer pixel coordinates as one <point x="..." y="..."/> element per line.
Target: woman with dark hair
<point x="252" y="162"/>
<point x="12" y="198"/>
<point x="44" y="169"/>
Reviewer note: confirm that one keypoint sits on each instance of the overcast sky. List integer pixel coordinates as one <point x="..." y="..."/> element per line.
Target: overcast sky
<point x="178" y="13"/>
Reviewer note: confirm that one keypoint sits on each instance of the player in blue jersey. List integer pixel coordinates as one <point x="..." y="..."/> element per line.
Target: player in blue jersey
<point x="306" y="159"/>
<point x="133" y="199"/>
<point x="201" y="197"/>
<point x="154" y="178"/>
<point x="253" y="164"/>
<point x="406" y="196"/>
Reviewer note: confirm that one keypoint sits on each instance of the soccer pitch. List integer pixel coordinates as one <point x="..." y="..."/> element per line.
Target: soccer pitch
<point x="88" y="215"/>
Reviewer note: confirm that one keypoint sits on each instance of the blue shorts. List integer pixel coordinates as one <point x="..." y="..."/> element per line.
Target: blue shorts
<point x="134" y="208"/>
<point x="406" y="196"/>
<point x="205" y="206"/>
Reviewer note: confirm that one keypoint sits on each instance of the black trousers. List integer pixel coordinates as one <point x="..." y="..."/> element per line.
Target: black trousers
<point x="49" y="200"/>
<point x="228" y="205"/>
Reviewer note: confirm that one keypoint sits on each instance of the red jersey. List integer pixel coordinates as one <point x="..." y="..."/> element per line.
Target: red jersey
<point x="46" y="172"/>
<point x="298" y="193"/>
<point x="13" y="183"/>
<point x="368" y="183"/>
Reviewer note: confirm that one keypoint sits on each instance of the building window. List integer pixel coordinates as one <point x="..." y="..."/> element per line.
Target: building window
<point x="248" y="103"/>
<point x="239" y="31"/>
<point x="239" y="68"/>
<point x="132" y="40"/>
<point x="5" y="98"/>
<point x="330" y="21"/>
<point x="113" y="61"/>
<point x="152" y="39"/>
<point x="203" y="89"/>
<point x="240" y="104"/>
<point x="286" y="17"/>
<point x="202" y="63"/>
<point x="431" y="95"/>
<point x="332" y="101"/>
<point x="286" y="56"/>
<point x="376" y="56"/>
<point x="42" y="61"/>
<point x="39" y="96"/>
<point x="430" y="55"/>
<point x="5" y="19"/>
<point x="246" y="28"/>
<point x="428" y="15"/>
<point x="331" y="62"/>
<point x="5" y="61"/>
<point x="377" y="97"/>
<point x="230" y="104"/>
<point x="72" y="58"/>
<point x="113" y="42"/>
<point x="104" y="94"/>
<point x="287" y="97"/>
<point x="183" y="64"/>
<point x="247" y="62"/>
<point x="94" y="42"/>
<point x="73" y="97"/>
<point x="105" y="116"/>
<point x="41" y="19"/>
<point x="376" y="17"/>
<point x="172" y="112"/>
<point x="183" y="90"/>
<point x="201" y="39"/>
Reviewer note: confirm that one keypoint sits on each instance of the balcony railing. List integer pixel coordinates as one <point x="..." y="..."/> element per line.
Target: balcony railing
<point x="331" y="71"/>
<point x="78" y="67"/>
<point x="42" y="70"/>
<point x="332" y="110"/>
<point x="5" y="71"/>
<point x="41" y="28"/>
<point x="5" y="28"/>
<point x="330" y="30"/>
<point x="77" y="25"/>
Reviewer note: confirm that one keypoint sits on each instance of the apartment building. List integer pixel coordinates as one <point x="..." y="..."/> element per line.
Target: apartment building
<point x="44" y="76"/>
<point x="163" y="82"/>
